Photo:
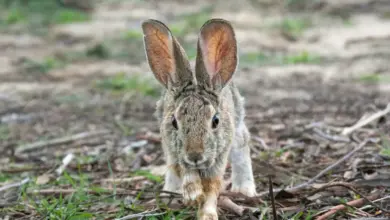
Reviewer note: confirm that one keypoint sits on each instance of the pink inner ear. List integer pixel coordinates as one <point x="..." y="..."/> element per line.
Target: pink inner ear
<point x="215" y="49"/>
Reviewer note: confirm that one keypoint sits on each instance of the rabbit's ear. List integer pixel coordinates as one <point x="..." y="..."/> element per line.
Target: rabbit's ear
<point x="216" y="60"/>
<point x="165" y="56"/>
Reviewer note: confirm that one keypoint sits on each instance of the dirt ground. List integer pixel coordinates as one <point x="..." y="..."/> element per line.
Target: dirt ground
<point x="309" y="71"/>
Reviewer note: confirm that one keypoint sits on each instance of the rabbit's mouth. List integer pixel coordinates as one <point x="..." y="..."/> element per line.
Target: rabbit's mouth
<point x="202" y="163"/>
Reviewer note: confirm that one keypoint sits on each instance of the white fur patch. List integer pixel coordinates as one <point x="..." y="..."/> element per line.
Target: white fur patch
<point x="192" y="187"/>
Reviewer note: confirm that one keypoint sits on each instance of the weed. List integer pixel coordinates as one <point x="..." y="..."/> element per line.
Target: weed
<point x="374" y="78"/>
<point x="43" y="66"/>
<point x="99" y="50"/>
<point x="69" y="99"/>
<point x="303" y="57"/>
<point x="385" y="150"/>
<point x="294" y="26"/>
<point x="197" y="19"/>
<point x="133" y="35"/>
<point x="191" y="22"/>
<point x="38" y="16"/>
<point x="260" y="58"/>
<point x="4" y="177"/>
<point x="66" y="16"/>
<point x="123" y="83"/>
<point x="14" y="16"/>
<point x="4" y="132"/>
<point x="148" y="175"/>
<point x="253" y="57"/>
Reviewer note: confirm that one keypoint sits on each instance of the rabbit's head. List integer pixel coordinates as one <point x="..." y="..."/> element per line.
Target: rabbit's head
<point x="198" y="120"/>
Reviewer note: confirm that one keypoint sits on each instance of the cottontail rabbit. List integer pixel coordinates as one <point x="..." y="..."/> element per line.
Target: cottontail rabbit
<point x="201" y="114"/>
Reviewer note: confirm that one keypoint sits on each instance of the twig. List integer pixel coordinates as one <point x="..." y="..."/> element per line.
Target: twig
<point x="226" y="203"/>
<point x="261" y="141"/>
<point x="41" y="144"/>
<point x="141" y="215"/>
<point x="124" y="180"/>
<point x="65" y="162"/>
<point x="331" y="137"/>
<point x="354" y="203"/>
<point x="150" y="137"/>
<point x="361" y="123"/>
<point x="350" y="187"/>
<point x="271" y="194"/>
<point x="323" y="172"/>
<point x="12" y="185"/>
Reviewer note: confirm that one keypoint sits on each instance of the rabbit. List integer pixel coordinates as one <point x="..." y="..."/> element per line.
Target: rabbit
<point x="200" y="113"/>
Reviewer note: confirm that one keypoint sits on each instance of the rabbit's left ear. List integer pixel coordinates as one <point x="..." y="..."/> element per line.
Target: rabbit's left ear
<point x="216" y="59"/>
<point x="167" y="59"/>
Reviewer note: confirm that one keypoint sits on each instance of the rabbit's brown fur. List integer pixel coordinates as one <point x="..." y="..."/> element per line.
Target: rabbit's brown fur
<point x="201" y="114"/>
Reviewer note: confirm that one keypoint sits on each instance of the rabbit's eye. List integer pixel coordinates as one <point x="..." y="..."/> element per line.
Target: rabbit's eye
<point x="215" y="121"/>
<point x="174" y="122"/>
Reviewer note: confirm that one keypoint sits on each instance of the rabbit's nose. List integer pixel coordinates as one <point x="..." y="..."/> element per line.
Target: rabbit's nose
<point x="195" y="158"/>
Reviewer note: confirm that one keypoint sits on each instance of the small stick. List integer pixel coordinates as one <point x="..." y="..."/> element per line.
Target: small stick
<point x="124" y="180"/>
<point x="65" y="162"/>
<point x="323" y="172"/>
<point x="228" y="204"/>
<point x="354" y="203"/>
<point x="41" y="144"/>
<point x="331" y="137"/>
<point x="12" y="185"/>
<point x="361" y="123"/>
<point x="350" y="187"/>
<point x="262" y="142"/>
<point x="271" y="194"/>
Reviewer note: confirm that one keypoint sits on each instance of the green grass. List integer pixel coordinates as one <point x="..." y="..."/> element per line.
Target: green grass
<point x="133" y="35"/>
<point x="148" y="175"/>
<point x="374" y="78"/>
<point x="385" y="149"/>
<point x="190" y="23"/>
<point x="294" y="26"/>
<point x="73" y="206"/>
<point x="43" y="66"/>
<point x="4" y="132"/>
<point x="15" y="15"/>
<point x="66" y="16"/>
<point x="123" y="83"/>
<point x="260" y="58"/>
<point x="38" y="16"/>
<point x="303" y="57"/>
<point x="256" y="58"/>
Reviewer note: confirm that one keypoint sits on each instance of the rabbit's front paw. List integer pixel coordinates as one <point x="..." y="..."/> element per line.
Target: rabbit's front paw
<point x="246" y="188"/>
<point x="210" y="215"/>
<point x="192" y="189"/>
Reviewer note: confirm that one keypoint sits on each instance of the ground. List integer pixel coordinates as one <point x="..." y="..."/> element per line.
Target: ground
<point x="76" y="90"/>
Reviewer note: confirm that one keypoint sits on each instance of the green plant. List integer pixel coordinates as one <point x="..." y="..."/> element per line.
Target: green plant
<point x="254" y="57"/>
<point x="4" y="132"/>
<point x="122" y="83"/>
<point x="14" y="16"/>
<point x="385" y="149"/>
<point x="148" y="175"/>
<point x="374" y="78"/>
<point x="295" y="26"/>
<point x="303" y="57"/>
<point x="43" y="66"/>
<point x="66" y="16"/>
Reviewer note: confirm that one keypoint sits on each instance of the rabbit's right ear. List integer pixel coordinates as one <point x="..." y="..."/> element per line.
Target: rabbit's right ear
<point x="165" y="56"/>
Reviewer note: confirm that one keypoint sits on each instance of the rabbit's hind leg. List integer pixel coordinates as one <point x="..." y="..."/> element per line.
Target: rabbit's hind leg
<point x="242" y="174"/>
